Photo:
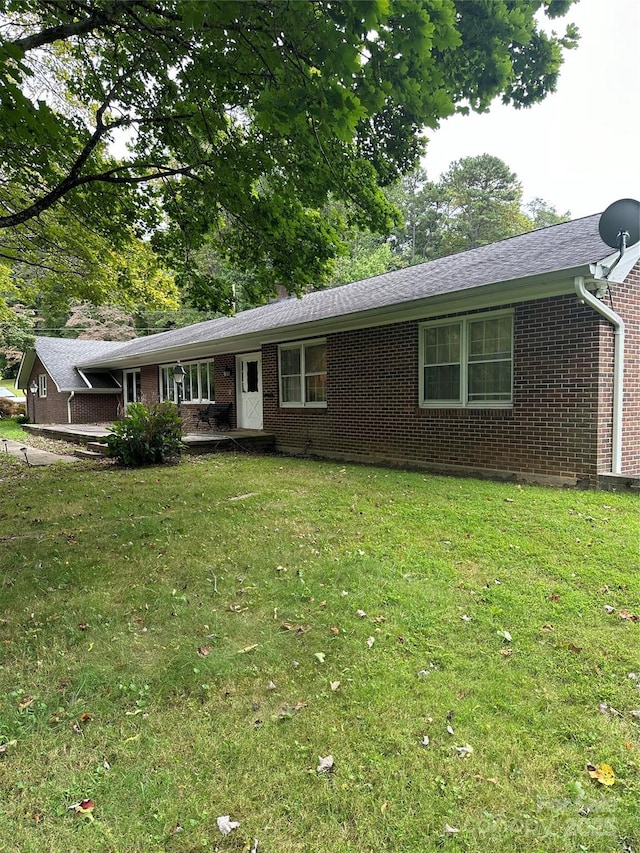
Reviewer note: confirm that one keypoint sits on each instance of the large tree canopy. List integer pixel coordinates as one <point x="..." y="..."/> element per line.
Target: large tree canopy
<point x="239" y="118"/>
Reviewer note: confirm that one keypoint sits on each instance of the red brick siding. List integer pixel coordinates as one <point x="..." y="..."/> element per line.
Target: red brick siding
<point x="224" y="390"/>
<point x="54" y="408"/>
<point x="625" y="301"/>
<point x="373" y="413"/>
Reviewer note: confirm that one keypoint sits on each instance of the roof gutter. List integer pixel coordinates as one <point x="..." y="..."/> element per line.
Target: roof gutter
<point x="71" y="396"/>
<point x="618" y="367"/>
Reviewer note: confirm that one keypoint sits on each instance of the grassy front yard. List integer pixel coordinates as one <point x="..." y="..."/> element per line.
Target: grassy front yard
<point x="184" y="643"/>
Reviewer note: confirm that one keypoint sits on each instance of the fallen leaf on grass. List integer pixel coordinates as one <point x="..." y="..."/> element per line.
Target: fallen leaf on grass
<point x="506" y="653"/>
<point x="226" y="825"/>
<point x="425" y="740"/>
<point x="325" y="765"/>
<point x="298" y="630"/>
<point x="361" y="613"/>
<point x="84" y="808"/>
<point x="246" y="649"/>
<point x="335" y="630"/>
<point x="450" y="730"/>
<point x="176" y="829"/>
<point x="5" y="747"/>
<point x="464" y="751"/>
<point x="370" y="641"/>
<point x="335" y="685"/>
<point x="271" y="686"/>
<point x="603" y="773"/>
<point x="26" y="703"/>
<point x="630" y="617"/>
<point x="571" y="646"/>
<point x="320" y="656"/>
<point x="203" y="651"/>
<point x="466" y="618"/>
<point x="609" y="609"/>
<point x="506" y="636"/>
<point x="451" y="829"/>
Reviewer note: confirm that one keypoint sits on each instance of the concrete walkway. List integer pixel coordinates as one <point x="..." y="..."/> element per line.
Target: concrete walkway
<point x="31" y="455"/>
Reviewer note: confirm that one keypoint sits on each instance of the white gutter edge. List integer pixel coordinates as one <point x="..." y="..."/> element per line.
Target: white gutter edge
<point x="71" y="396"/>
<point x="618" y="368"/>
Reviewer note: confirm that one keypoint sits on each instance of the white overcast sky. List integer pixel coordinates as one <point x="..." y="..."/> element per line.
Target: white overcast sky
<point x="580" y="148"/>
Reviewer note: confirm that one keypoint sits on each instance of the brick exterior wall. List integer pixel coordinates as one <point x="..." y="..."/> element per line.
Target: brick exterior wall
<point x="624" y="299"/>
<point x="555" y="431"/>
<point x="54" y="408"/>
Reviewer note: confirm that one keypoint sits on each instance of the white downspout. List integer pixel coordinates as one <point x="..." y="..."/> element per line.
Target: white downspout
<point x="618" y="368"/>
<point x="71" y="396"/>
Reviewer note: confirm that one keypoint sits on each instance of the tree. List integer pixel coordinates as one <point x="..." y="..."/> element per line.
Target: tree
<point x="483" y="200"/>
<point x="239" y="118"/>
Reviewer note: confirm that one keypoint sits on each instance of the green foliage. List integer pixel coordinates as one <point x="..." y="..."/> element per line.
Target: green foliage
<point x="241" y="118"/>
<point x="146" y="436"/>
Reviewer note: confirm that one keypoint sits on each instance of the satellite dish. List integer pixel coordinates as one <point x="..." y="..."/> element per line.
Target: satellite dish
<point x="619" y="225"/>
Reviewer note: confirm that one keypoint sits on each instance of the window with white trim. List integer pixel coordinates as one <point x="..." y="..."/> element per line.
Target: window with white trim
<point x="42" y="385"/>
<point x="303" y="374"/>
<point x="198" y="385"/>
<point x="467" y="361"/>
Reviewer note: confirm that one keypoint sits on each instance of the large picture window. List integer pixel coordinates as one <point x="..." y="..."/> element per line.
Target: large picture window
<point x="303" y="374"/>
<point x="198" y="385"/>
<point x="467" y="361"/>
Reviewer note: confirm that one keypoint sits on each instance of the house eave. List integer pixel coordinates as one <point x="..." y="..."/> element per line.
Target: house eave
<point x="486" y="296"/>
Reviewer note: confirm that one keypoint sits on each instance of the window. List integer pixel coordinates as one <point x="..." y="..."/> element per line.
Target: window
<point x="198" y="385"/>
<point x="303" y="374"/>
<point x="467" y="362"/>
<point x="42" y="385"/>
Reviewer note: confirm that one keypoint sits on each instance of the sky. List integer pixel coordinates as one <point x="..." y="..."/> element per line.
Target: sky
<point x="579" y="149"/>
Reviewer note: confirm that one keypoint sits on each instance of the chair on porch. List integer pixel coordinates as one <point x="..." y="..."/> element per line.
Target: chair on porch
<point x="218" y="413"/>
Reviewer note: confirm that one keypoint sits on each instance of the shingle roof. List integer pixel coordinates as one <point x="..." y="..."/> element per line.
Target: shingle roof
<point x="59" y="355"/>
<point x="566" y="246"/>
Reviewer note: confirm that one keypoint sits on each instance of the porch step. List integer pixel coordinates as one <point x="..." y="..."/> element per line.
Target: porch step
<point x="84" y="453"/>
<point x="99" y="448"/>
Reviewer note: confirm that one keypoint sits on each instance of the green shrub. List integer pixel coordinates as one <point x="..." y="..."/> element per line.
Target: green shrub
<point x="147" y="436"/>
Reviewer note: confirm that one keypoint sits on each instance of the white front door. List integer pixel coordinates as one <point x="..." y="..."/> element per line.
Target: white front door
<point x="249" y="392"/>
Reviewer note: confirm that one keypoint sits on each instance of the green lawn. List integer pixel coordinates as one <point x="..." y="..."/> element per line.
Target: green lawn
<point x="183" y="643"/>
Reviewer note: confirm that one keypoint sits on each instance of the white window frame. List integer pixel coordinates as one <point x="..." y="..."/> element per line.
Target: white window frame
<point x="463" y="402"/>
<point x="302" y="403"/>
<point x="42" y="385"/>
<point x="167" y="369"/>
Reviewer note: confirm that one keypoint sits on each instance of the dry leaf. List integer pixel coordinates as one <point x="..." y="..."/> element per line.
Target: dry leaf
<point x="450" y="829"/>
<point x="384" y="806"/>
<point x="631" y="617"/>
<point x="325" y="765"/>
<point x="335" y="685"/>
<point x="506" y="653"/>
<point x="450" y="730"/>
<point x="505" y="635"/>
<point x="370" y="641"/>
<point x="84" y="808"/>
<point x="466" y="618"/>
<point x="226" y="825"/>
<point x="609" y="609"/>
<point x="320" y="656"/>
<point x="465" y="751"/>
<point x="425" y="740"/>
<point x="203" y="651"/>
<point x="603" y="773"/>
<point x="335" y="630"/>
<point x="248" y="649"/>
<point x="361" y="613"/>
<point x="271" y="686"/>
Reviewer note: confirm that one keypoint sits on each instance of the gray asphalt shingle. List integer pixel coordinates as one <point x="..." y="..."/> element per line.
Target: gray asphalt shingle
<point x="559" y="247"/>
